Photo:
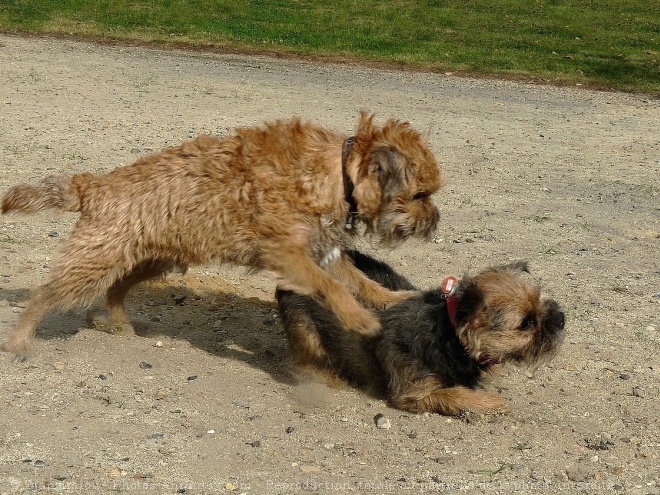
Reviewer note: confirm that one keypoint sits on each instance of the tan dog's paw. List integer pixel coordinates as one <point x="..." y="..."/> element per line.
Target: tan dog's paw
<point x="400" y="296"/>
<point x="360" y="321"/>
<point x="100" y="322"/>
<point x="20" y="349"/>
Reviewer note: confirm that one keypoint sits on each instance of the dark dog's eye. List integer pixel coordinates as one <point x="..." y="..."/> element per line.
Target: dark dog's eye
<point x="420" y="195"/>
<point x="528" y="323"/>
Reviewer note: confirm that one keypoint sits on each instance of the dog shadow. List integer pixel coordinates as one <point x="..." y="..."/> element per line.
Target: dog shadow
<point x="222" y="323"/>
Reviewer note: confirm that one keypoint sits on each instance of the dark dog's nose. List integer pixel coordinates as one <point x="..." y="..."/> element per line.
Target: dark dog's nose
<point x="560" y="319"/>
<point x="555" y="319"/>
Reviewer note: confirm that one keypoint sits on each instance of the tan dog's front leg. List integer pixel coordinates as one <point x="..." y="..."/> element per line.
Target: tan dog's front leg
<point x="369" y="292"/>
<point x="300" y="274"/>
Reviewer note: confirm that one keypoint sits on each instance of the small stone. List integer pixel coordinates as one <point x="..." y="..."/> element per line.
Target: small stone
<point x="191" y="378"/>
<point x="102" y="377"/>
<point x="577" y="474"/>
<point x="39" y="463"/>
<point x="624" y="376"/>
<point x="328" y="446"/>
<point x="289" y="429"/>
<point x="160" y="395"/>
<point x="158" y="343"/>
<point x="255" y="444"/>
<point x="210" y="432"/>
<point x="382" y="422"/>
<point x="529" y="374"/>
<point x="114" y="473"/>
<point x="217" y="324"/>
<point x="145" y="366"/>
<point x="53" y="233"/>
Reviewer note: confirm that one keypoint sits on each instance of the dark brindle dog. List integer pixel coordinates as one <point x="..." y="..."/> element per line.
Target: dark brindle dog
<point x="435" y="348"/>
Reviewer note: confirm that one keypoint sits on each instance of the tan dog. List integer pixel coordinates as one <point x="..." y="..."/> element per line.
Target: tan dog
<point x="284" y="197"/>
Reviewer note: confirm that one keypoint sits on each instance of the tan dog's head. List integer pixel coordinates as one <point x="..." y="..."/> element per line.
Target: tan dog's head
<point x="394" y="174"/>
<point x="501" y="317"/>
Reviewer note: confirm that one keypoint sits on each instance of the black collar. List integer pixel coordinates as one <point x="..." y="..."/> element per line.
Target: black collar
<point x="348" y="184"/>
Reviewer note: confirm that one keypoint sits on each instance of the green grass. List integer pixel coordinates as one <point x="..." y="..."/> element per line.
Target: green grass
<point x="599" y="43"/>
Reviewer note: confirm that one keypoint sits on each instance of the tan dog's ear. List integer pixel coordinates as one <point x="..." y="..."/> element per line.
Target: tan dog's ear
<point x="388" y="166"/>
<point x="365" y="124"/>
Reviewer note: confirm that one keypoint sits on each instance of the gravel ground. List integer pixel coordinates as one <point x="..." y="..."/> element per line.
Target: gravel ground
<point x="203" y="399"/>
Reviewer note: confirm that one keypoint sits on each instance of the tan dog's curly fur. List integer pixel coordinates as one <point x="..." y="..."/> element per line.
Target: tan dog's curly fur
<point x="270" y="197"/>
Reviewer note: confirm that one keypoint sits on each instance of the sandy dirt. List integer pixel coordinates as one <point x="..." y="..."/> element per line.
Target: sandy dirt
<point x="203" y="400"/>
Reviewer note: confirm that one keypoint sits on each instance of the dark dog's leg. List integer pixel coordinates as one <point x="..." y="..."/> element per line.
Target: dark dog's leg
<point x="428" y="395"/>
<point x="318" y="342"/>
<point x="301" y="331"/>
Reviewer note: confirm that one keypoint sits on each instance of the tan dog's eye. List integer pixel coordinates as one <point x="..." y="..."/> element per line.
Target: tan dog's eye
<point x="528" y="323"/>
<point x="420" y="195"/>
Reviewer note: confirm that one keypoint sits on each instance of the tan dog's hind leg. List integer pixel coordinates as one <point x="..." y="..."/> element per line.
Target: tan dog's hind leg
<point x="116" y="320"/>
<point x="76" y="280"/>
<point x="147" y="270"/>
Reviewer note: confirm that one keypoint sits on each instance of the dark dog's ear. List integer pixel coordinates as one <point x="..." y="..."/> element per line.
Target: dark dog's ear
<point x="516" y="267"/>
<point x="388" y="165"/>
<point x="470" y="300"/>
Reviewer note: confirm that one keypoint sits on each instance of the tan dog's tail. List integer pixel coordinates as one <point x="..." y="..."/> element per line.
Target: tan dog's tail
<point x="62" y="192"/>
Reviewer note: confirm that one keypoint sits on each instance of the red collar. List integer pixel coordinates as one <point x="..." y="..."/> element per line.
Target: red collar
<point x="448" y="288"/>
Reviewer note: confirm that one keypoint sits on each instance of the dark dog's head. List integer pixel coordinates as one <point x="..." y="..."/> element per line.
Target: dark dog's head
<point x="394" y="174"/>
<point x="501" y="317"/>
